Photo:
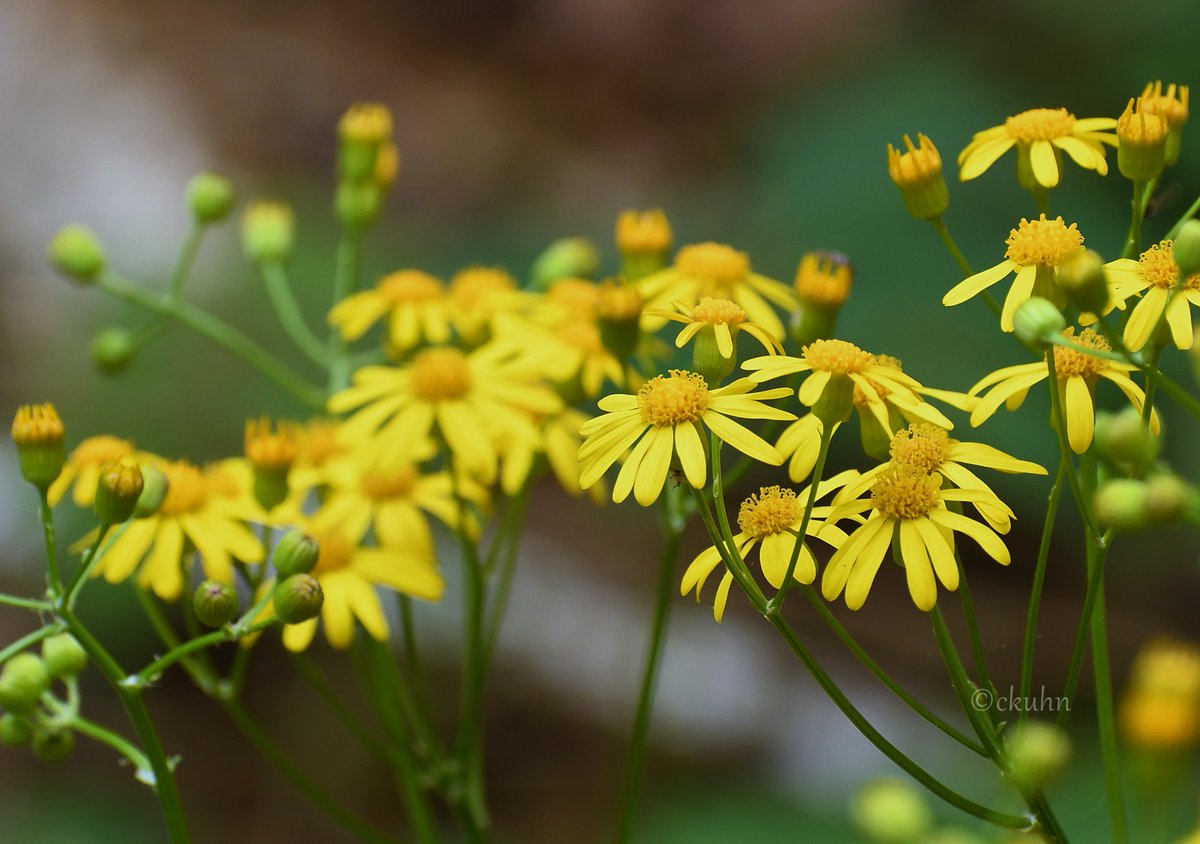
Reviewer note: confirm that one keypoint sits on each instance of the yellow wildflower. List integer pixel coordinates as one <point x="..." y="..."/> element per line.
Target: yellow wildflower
<point x="1155" y="276"/>
<point x="414" y="302"/>
<point x="1041" y="135"/>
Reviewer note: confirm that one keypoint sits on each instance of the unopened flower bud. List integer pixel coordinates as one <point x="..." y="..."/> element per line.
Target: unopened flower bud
<point x="890" y="811"/>
<point x="357" y="204"/>
<point x="117" y="492"/>
<point x="1036" y="753"/>
<point x="272" y="453"/>
<point x="39" y="435"/>
<point x="1166" y="496"/>
<point x="823" y="281"/>
<point x="644" y="239"/>
<point x="113" y="349"/>
<point x="1141" y="143"/>
<point x="76" y="252"/>
<point x="1171" y="104"/>
<point x="295" y="553"/>
<point x="23" y="682"/>
<point x="569" y="257"/>
<point x="154" y="491"/>
<point x="918" y="174"/>
<point x="14" y="730"/>
<point x="53" y="746"/>
<point x="1186" y="249"/>
<point x="267" y="231"/>
<point x="362" y="133"/>
<point x="1121" y="504"/>
<point x="1081" y="276"/>
<point x="1036" y="321"/>
<point x="707" y="359"/>
<point x="63" y="655"/>
<point x="298" y="598"/>
<point x="1124" y="440"/>
<point x="210" y="197"/>
<point x="618" y="313"/>
<point x="215" y="603"/>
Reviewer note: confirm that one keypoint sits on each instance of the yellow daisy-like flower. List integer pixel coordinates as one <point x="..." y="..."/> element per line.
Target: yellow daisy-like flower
<point x="557" y="436"/>
<point x="414" y="302"/>
<point x="1156" y="277"/>
<point x="724" y="317"/>
<point x="908" y="513"/>
<point x="1035" y="249"/>
<point x="571" y="352"/>
<point x="1041" y="135"/>
<point x="770" y="519"/>
<point x="714" y="270"/>
<point x="476" y="296"/>
<point x="668" y="411"/>
<point x="442" y="389"/>
<point x="348" y="574"/>
<point x="932" y="450"/>
<point x="202" y="510"/>
<point x="1077" y="374"/>
<point x="82" y="468"/>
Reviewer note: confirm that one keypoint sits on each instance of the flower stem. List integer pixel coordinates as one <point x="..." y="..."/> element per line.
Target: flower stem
<point x="1187" y="215"/>
<point x="1039" y="579"/>
<point x="50" y="540"/>
<point x="183" y="264"/>
<point x="290" y="316"/>
<point x="776" y="602"/>
<point x="35" y="604"/>
<point x="1141" y="191"/>
<point x="345" y="282"/>
<point x="86" y="564"/>
<point x="229" y="633"/>
<point x="31" y="639"/>
<point x="117" y="742"/>
<point x="939" y="226"/>
<point x="964" y="594"/>
<point x="502" y="558"/>
<point x="636" y="759"/>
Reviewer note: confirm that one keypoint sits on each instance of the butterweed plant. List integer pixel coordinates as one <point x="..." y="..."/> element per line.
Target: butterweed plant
<point x="433" y="406"/>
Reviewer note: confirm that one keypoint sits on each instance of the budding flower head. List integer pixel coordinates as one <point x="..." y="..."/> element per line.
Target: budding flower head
<point x="272" y="453"/>
<point x="113" y="349"/>
<point x="1186" y="250"/>
<point x="298" y="598"/>
<point x="23" y="682"/>
<point x="1171" y="104"/>
<point x="618" y="313"/>
<point x="644" y="238"/>
<point x="1166" y="497"/>
<point x="63" y="655"/>
<point x="1036" y="321"/>
<point x="215" y="603"/>
<point x="154" y="491"/>
<point x="77" y="253"/>
<point x="363" y="132"/>
<point x="1121" y="504"/>
<point x="117" y="492"/>
<point x="568" y="257"/>
<point x="210" y="197"/>
<point x="1081" y="277"/>
<point x="891" y="811"/>
<point x="1141" y="143"/>
<point x="295" y="553"/>
<point x="268" y="230"/>
<point x="1036" y="753"/>
<point x="39" y="434"/>
<point x="1125" y="441"/>
<point x="917" y="172"/>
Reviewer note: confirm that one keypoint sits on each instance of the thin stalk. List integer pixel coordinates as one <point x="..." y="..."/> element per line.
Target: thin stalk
<point x="86" y="563"/>
<point x="776" y="603"/>
<point x="35" y="604"/>
<point x="290" y="317"/>
<point x="1187" y="215"/>
<point x="1039" y="579"/>
<point x="114" y="740"/>
<point x="185" y="261"/>
<point x="1151" y="384"/>
<point x="635" y="761"/>
<point x="345" y="282"/>
<point x="964" y="594"/>
<point x="412" y="657"/>
<point x="50" y="540"/>
<point x="30" y="639"/>
<point x="510" y="532"/>
<point x="1133" y="240"/>
<point x="229" y="633"/>
<point x="939" y="226"/>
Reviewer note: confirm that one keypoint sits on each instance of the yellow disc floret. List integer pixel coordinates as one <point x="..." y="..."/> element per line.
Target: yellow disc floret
<point x="1069" y="363"/>
<point x="716" y="265"/>
<point x="1159" y="268"/>
<point x="772" y="510"/>
<point x="440" y="374"/>
<point x="921" y="445"/>
<point x="718" y="311"/>
<point x="905" y="492"/>
<point x="187" y="489"/>
<point x="382" y="486"/>
<point x="670" y="400"/>
<point x="1042" y="241"/>
<point x="1139" y="127"/>
<point x="837" y="356"/>
<point x="1040" y="124"/>
<point x="410" y="286"/>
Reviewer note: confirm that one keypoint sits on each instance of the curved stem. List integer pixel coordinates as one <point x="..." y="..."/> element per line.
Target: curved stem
<point x="939" y="225"/>
<point x="1039" y="578"/>
<point x="86" y="563"/>
<point x="290" y="317"/>
<point x="183" y="265"/>
<point x="1141" y="192"/>
<point x="229" y="633"/>
<point x="776" y="603"/>
<point x="117" y="742"/>
<point x="30" y="639"/>
<point x="345" y="282"/>
<point x="35" y="604"/>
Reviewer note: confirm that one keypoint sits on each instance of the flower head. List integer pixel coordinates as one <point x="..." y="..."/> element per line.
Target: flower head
<point x="1154" y="276"/>
<point x="1172" y="105"/>
<point x="476" y="296"/>
<point x="1160" y="709"/>
<point x="823" y="279"/>
<point x="1142" y="142"/>
<point x="1040" y="135"/>
<point x="644" y="233"/>
<point x="917" y="172"/>
<point x="414" y="302"/>
<point x="724" y="318"/>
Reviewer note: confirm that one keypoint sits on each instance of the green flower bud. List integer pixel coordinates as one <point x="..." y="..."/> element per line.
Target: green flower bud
<point x="1166" y="496"/>
<point x="1187" y="249"/>
<point x="1036" y="321"/>
<point x="117" y="492"/>
<point x="210" y="197"/>
<point x="63" y="656"/>
<point x="1141" y="143"/>
<point x="890" y="811"/>
<point x="14" y="730"/>
<point x="1081" y="277"/>
<point x="113" y="349"/>
<point x="1121" y="504"/>
<point x="154" y="492"/>
<point x="618" y="313"/>
<point x="268" y="231"/>
<point x="39" y="436"/>
<point x="569" y="257"/>
<point x="76" y="252"/>
<point x="298" y="598"/>
<point x="23" y="682"/>
<point x="357" y="204"/>
<point x="215" y="603"/>
<point x="1125" y="441"/>
<point x="296" y="553"/>
<point x="917" y="172"/>
<point x="53" y="746"/>
<point x="1036" y="753"/>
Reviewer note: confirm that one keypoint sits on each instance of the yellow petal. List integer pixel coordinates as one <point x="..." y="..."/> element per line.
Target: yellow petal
<point x="973" y="285"/>
<point x="1080" y="414"/>
<point x="690" y="449"/>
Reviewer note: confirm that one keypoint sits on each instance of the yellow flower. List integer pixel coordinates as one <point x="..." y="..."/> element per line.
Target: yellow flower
<point x="1077" y="374"/>
<point x="931" y="449"/>
<point x="823" y="279"/>
<point x="459" y="395"/>
<point x="1160" y="710"/>
<point x="1039" y="135"/>
<point x="770" y="519"/>
<point x="721" y="272"/>
<point x="414" y="302"/>
<point x="907" y="513"/>
<point x="917" y="172"/>
<point x="643" y="232"/>
<point x="668" y="410"/>
<point x="477" y="296"/>
<point x="197" y="512"/>
<point x="724" y="317"/>
<point x="348" y="574"/>
<point x="572" y="352"/>
<point x="1172" y="105"/>
<point x="369" y="123"/>
<point x="1156" y="274"/>
<point x="83" y="468"/>
<point x="557" y="436"/>
<point x="1035" y="248"/>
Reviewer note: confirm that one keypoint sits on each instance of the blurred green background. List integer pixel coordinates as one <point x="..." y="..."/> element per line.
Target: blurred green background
<point x="762" y="125"/>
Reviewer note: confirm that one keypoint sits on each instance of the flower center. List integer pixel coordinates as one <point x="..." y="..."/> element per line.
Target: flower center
<point x="716" y="265"/>
<point x="1042" y="241"/>
<point x="582" y="335"/>
<point x="440" y="374"/>
<point x="772" y="510"/>
<point x="382" y="486"/>
<point x="410" y="286"/>
<point x="921" y="445"/>
<point x="101" y="449"/>
<point x="837" y="356"/>
<point x="673" y="399"/>
<point x="905" y="492"/>
<point x="1159" y="267"/>
<point x="1040" y="124"/>
<point x="1069" y="363"/>
<point x="269" y="449"/>
<point x="334" y="553"/>
<point x="718" y="311"/>
<point x="187" y="490"/>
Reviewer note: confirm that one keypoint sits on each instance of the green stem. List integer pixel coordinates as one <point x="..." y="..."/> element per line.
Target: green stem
<point x="345" y="282"/>
<point x="635" y="761"/>
<point x="964" y="594"/>
<point x="1106" y="724"/>
<point x="86" y="564"/>
<point x="1151" y="383"/>
<point x="50" y="539"/>
<point x="313" y="676"/>
<point x="1039" y="579"/>
<point x="1138" y="204"/>
<point x="229" y="633"/>
<point x="187" y="258"/>
<point x="776" y="603"/>
<point x="35" y="604"/>
<point x="290" y="317"/>
<point x="939" y="225"/>
<point x="412" y="657"/>
<point x="508" y="533"/>
<point x="30" y="639"/>
<point x="218" y="332"/>
<point x="117" y="742"/>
